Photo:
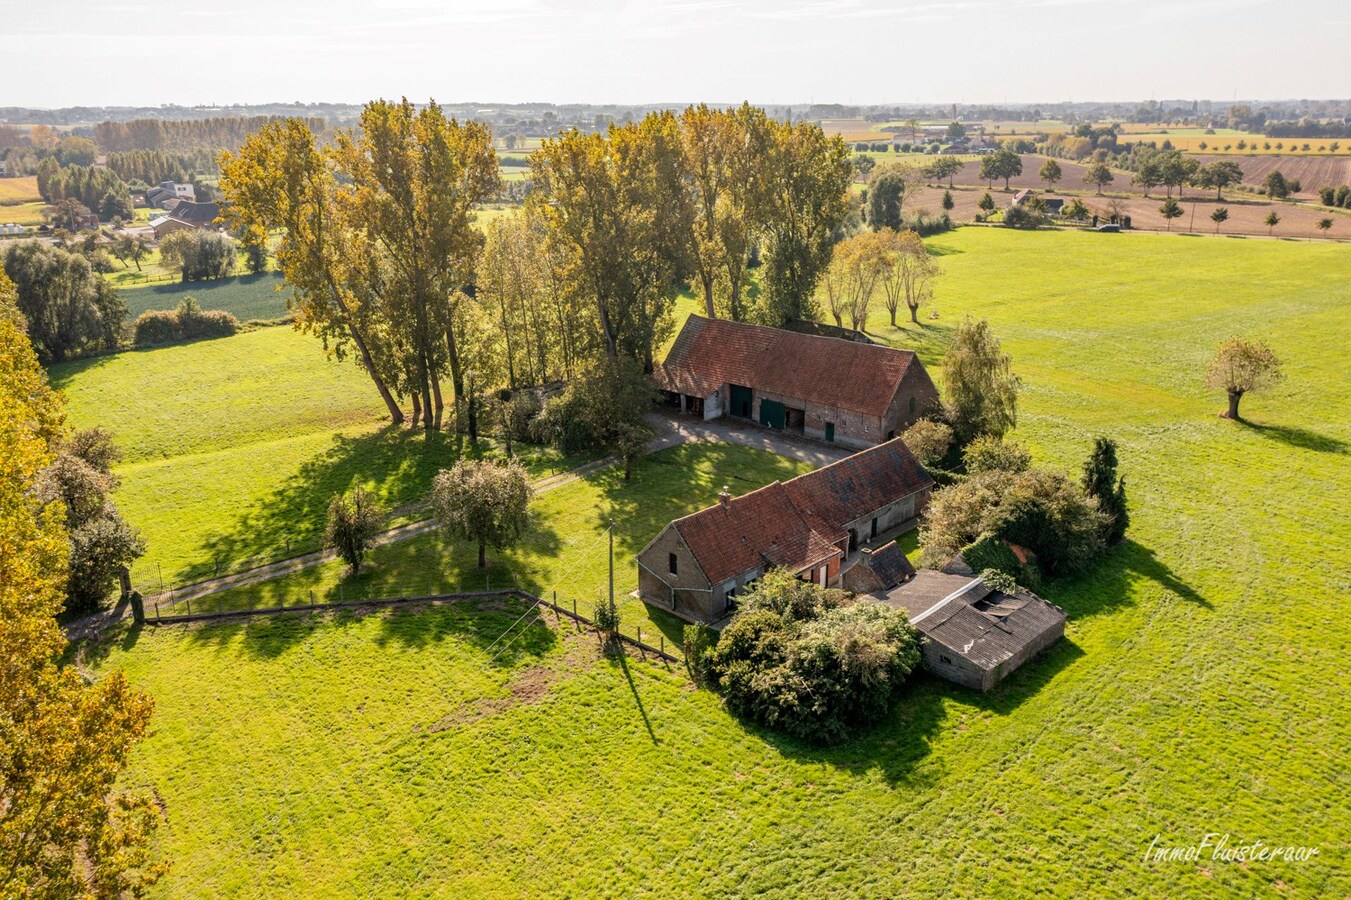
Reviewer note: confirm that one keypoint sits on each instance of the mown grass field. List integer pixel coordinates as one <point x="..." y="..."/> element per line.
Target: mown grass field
<point x="1200" y="688"/>
<point x="233" y="447"/>
<point x="247" y="296"/>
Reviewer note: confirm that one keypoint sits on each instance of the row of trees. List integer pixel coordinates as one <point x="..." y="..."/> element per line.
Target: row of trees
<point x="221" y="132"/>
<point x="378" y="244"/>
<point x="150" y="167"/>
<point x="894" y="263"/>
<point x="98" y="189"/>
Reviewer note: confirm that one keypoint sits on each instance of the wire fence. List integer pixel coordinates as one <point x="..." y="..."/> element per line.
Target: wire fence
<point x="653" y="642"/>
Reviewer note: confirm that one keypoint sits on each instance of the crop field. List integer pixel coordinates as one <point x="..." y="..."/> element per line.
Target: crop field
<point x="1313" y="172"/>
<point x="24" y="213"/>
<point x="19" y="190"/>
<point x="234" y="446"/>
<point x="1247" y="212"/>
<point x="1226" y="142"/>
<point x="1199" y="688"/>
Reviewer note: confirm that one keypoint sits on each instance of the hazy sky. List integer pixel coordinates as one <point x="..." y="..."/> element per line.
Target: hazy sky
<point x="114" y="52"/>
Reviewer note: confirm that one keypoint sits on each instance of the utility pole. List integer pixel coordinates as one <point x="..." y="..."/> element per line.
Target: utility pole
<point x="611" y="531"/>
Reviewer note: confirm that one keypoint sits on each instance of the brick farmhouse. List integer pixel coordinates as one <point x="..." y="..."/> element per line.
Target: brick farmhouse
<point x="813" y="525"/>
<point x="830" y="389"/>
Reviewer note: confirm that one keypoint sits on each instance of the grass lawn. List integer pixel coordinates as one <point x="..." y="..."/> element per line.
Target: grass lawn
<point x="564" y="550"/>
<point x="247" y="296"/>
<point x="233" y="447"/>
<point x="1200" y="688"/>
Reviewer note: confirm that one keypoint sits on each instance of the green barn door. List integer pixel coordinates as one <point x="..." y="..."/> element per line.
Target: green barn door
<point x="741" y="401"/>
<point x="772" y="413"/>
<point x="830" y="431"/>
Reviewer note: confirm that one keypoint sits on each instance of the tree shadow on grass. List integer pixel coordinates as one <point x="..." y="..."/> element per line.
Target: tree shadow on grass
<point x="1111" y="583"/>
<point x="396" y="462"/>
<point x="1302" y="438"/>
<point x="479" y="623"/>
<point x="896" y="747"/>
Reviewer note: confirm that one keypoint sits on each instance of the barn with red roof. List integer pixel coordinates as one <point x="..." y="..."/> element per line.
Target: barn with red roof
<point x="849" y="392"/>
<point x="815" y="526"/>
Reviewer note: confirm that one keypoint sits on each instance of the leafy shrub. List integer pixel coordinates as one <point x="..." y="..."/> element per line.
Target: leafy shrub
<point x="1038" y="509"/>
<point x="189" y="322"/>
<point x="603" y="407"/>
<point x="698" y="641"/>
<point x="519" y="411"/>
<point x="991" y="454"/>
<point x="795" y="659"/>
<point x="925" y="224"/>
<point x="155" y="326"/>
<point x="1022" y="217"/>
<point x="606" y="618"/>
<point x="930" y="441"/>
<point x="195" y="322"/>
<point x="990" y="552"/>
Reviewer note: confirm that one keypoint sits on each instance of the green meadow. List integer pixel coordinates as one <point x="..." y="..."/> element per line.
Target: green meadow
<point x="247" y="296"/>
<point x="233" y="447"/>
<point x="1200" y="688"/>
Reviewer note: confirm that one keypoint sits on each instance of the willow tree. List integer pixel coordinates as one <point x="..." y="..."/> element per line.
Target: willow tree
<point x="617" y="209"/>
<point x="280" y="179"/>
<point x="807" y="178"/>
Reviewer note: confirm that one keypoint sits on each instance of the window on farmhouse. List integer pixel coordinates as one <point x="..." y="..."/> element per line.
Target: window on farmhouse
<point x="672" y="562"/>
<point x="912" y="405"/>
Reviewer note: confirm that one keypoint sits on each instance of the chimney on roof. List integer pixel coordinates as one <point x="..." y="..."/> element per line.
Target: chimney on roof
<point x="724" y="496"/>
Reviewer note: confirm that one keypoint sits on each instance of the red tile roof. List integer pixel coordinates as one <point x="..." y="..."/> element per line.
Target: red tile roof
<point x="759" y="529"/>
<point x="709" y="353"/>
<point x="831" y="497"/>
<point x="794" y="524"/>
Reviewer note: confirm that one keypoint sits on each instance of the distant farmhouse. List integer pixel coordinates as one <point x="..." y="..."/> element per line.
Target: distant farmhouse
<point x="186" y="214"/>
<point x="972" y="634"/>
<point x="812" y="525"/>
<point x="1052" y="206"/>
<point x="166" y="194"/>
<point x="852" y="393"/>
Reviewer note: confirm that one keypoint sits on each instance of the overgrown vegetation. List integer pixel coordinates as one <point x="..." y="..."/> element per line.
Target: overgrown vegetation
<point x="796" y="657"/>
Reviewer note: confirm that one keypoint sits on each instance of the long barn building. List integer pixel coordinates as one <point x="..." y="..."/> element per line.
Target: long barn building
<point x="814" y="526"/>
<point x="825" y="388"/>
